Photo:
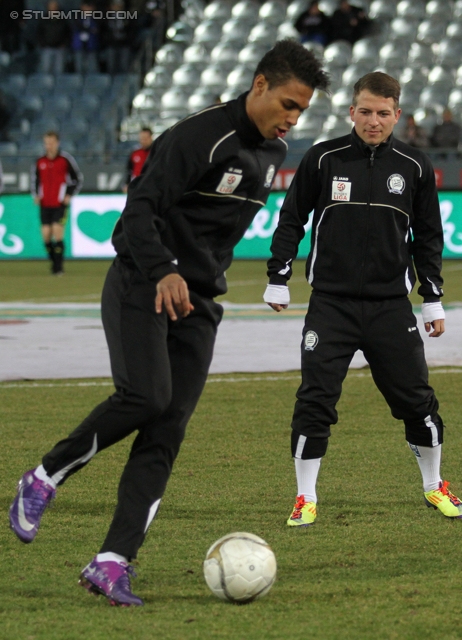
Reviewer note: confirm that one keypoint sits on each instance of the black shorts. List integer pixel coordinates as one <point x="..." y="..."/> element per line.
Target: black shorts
<point x="53" y="215"/>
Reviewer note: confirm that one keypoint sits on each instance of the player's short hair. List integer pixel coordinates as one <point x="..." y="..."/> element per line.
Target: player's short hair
<point x="379" y="84"/>
<point x="51" y="134"/>
<point x="146" y="130"/>
<point x="290" y="60"/>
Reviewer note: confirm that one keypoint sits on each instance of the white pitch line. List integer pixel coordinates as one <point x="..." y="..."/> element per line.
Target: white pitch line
<point x="34" y="385"/>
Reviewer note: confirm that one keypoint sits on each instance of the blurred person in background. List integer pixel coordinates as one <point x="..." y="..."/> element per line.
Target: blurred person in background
<point x="54" y="35"/>
<point x="313" y="25"/>
<point x="10" y="27"/>
<point x="349" y="22"/>
<point x="55" y="178"/>
<point x="85" y="40"/>
<point x="446" y="134"/>
<point x="413" y="134"/>
<point x="139" y="156"/>
<point x="117" y="36"/>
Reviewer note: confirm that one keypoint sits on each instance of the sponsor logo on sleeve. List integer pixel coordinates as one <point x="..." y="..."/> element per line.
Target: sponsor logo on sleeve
<point x="229" y="183"/>
<point x="341" y="189"/>
<point x="395" y="183"/>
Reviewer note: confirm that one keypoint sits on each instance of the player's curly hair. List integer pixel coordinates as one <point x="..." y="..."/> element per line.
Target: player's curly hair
<point x="289" y="60"/>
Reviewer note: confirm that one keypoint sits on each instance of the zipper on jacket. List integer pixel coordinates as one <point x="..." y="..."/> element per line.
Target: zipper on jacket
<point x="371" y="168"/>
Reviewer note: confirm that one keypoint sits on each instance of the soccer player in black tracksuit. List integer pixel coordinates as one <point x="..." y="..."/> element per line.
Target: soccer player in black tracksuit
<point x="203" y="183"/>
<point x="376" y="221"/>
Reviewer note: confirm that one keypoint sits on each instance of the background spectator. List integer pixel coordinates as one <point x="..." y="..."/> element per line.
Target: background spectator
<point x="5" y="115"/>
<point x="53" y="36"/>
<point x="446" y="134"/>
<point x="117" y="37"/>
<point x="349" y="22"/>
<point x="85" y="41"/>
<point x="10" y="29"/>
<point x="313" y="25"/>
<point x="413" y="134"/>
<point x="139" y="156"/>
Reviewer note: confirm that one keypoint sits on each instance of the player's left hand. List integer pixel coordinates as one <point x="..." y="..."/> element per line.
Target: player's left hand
<point x="66" y="200"/>
<point x="437" y="326"/>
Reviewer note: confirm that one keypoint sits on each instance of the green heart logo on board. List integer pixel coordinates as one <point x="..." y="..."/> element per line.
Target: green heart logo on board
<point x="98" y="226"/>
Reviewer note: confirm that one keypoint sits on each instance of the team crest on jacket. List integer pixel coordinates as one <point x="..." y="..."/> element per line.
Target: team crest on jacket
<point x="395" y="183"/>
<point x="341" y="188"/>
<point x="229" y="182"/>
<point x="311" y="340"/>
<point x="269" y="176"/>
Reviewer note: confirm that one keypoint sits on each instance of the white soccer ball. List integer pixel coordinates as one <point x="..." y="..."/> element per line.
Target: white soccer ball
<point x="240" y="567"/>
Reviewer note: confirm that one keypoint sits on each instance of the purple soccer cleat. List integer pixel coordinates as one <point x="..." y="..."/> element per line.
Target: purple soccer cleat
<point x="27" y="508"/>
<point x="111" y="579"/>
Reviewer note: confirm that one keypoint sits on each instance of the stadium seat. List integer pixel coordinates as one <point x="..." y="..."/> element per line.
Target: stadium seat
<point x="426" y="118"/>
<point x="431" y="97"/>
<point x="246" y="10"/>
<point x="355" y="71"/>
<point x="226" y="54"/>
<point x="403" y="29"/>
<point x="240" y="78"/>
<point x="411" y="10"/>
<point x="414" y="78"/>
<point x="68" y="83"/>
<point x="449" y="53"/>
<point x="180" y="32"/>
<point x="197" y="55"/>
<point x="146" y="101"/>
<point x="273" y="12"/>
<point x="74" y="128"/>
<point x="236" y="31"/>
<point x="15" y="84"/>
<point x="200" y="99"/>
<point x="252" y="53"/>
<point x="457" y="12"/>
<point x="430" y="31"/>
<point x="336" y="126"/>
<point x="159" y="78"/>
<point x="8" y="149"/>
<point x="328" y="6"/>
<point x="366" y="49"/>
<point x="421" y="55"/>
<point x="294" y="9"/>
<point x="454" y="31"/>
<point x="187" y="76"/>
<point x="31" y="106"/>
<point x="170" y="55"/>
<point x="316" y="47"/>
<point x="174" y="103"/>
<point x="307" y="128"/>
<point x="207" y="33"/>
<point x="264" y="33"/>
<point x="439" y="10"/>
<point x="338" y="54"/>
<point x="409" y="99"/>
<point x="441" y="78"/>
<point x="394" y="52"/>
<point x="58" y="105"/>
<point x="455" y="99"/>
<point x="287" y="30"/>
<point x="320" y="105"/>
<point x="341" y="101"/>
<point x="41" y="84"/>
<point x="86" y="105"/>
<point x="214" y="78"/>
<point x="382" y="10"/>
<point x="97" y="84"/>
<point x="42" y="125"/>
<point x="218" y="11"/>
<point x="32" y="148"/>
<point x="230" y="94"/>
<point x="69" y="146"/>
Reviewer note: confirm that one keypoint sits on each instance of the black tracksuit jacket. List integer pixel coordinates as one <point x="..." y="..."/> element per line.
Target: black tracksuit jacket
<point x="201" y="186"/>
<point x="376" y="217"/>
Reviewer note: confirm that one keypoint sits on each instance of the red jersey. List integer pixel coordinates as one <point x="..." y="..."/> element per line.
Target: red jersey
<point x="136" y="163"/>
<point x="54" y="179"/>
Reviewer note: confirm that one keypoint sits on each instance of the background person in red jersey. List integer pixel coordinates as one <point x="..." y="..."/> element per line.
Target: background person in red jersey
<point x="139" y="156"/>
<point x="55" y="178"/>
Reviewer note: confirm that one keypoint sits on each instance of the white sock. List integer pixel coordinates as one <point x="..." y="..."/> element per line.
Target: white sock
<point x="429" y="460"/>
<point x="44" y="477"/>
<point x="111" y="557"/>
<point x="307" y="474"/>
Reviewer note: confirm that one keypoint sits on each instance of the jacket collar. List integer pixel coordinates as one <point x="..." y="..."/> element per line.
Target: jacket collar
<point x="245" y="128"/>
<point x="366" y="149"/>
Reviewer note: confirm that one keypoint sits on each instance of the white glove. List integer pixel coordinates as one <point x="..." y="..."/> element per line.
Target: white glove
<point x="277" y="294"/>
<point x="432" y="311"/>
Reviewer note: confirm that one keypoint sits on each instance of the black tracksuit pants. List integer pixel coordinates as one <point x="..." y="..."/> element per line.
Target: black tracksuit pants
<point x="386" y="331"/>
<point x="159" y="369"/>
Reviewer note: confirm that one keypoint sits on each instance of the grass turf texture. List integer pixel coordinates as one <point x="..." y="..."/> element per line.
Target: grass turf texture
<point x="31" y="281"/>
<point x="377" y="564"/>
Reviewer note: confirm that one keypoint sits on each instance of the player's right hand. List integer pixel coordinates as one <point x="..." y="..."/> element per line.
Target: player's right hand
<point x="173" y="294"/>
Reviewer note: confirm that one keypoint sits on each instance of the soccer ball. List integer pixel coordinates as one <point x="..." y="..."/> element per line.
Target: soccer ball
<point x="240" y="567"/>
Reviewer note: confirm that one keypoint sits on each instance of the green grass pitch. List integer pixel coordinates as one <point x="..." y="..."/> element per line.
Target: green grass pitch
<point x="377" y="565"/>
